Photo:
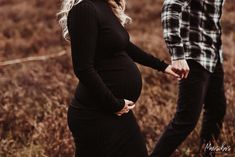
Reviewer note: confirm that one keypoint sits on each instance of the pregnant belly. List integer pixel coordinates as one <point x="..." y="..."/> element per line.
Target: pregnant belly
<point x="121" y="76"/>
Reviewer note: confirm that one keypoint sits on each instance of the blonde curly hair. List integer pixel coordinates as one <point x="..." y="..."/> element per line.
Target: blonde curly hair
<point x="118" y="7"/>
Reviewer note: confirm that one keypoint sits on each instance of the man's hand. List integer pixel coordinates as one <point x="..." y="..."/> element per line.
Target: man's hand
<point x="181" y="68"/>
<point x="128" y="106"/>
<point x="170" y="71"/>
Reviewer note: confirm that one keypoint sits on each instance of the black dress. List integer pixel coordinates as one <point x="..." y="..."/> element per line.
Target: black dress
<point x="103" y="60"/>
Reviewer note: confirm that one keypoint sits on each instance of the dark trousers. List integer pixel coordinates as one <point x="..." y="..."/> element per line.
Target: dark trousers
<point x="201" y="87"/>
<point x="98" y="134"/>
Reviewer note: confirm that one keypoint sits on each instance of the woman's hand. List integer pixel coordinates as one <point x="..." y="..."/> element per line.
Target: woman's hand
<point x="169" y="70"/>
<point x="128" y="106"/>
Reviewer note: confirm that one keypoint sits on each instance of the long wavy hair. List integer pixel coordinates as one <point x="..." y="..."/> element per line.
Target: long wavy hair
<point x="118" y="7"/>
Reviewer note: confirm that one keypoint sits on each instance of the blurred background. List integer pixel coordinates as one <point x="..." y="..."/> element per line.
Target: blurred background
<point x="34" y="95"/>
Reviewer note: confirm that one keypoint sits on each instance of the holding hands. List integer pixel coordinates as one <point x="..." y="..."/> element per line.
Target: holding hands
<point x="178" y="69"/>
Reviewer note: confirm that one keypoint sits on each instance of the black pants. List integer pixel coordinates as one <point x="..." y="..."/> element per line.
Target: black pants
<point x="201" y="87"/>
<point x="99" y="134"/>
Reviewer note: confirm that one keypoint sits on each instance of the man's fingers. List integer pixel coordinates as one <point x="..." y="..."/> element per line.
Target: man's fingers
<point x="170" y="71"/>
<point x="183" y="71"/>
<point x="174" y="74"/>
<point x="181" y="68"/>
<point x="187" y="72"/>
<point x="178" y="70"/>
<point x="175" y="69"/>
<point x="186" y="69"/>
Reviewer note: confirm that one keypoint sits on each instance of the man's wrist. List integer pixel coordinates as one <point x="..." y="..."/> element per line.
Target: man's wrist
<point x="176" y="59"/>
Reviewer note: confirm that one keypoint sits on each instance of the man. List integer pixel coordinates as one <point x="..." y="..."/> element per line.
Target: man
<point x="193" y="36"/>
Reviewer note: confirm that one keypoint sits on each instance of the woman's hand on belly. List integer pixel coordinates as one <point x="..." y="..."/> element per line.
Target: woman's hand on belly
<point x="129" y="105"/>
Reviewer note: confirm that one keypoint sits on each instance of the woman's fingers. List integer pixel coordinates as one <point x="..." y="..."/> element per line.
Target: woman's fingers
<point x="169" y="70"/>
<point x="130" y="107"/>
<point x="121" y="113"/>
<point x="126" y="111"/>
<point x="175" y="75"/>
<point x="128" y="102"/>
<point x="123" y="110"/>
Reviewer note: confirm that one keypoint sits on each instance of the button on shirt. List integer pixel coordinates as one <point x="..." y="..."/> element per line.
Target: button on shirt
<point x="192" y="30"/>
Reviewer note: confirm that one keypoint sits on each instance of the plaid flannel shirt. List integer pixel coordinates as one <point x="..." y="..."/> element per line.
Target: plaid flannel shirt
<point x="192" y="30"/>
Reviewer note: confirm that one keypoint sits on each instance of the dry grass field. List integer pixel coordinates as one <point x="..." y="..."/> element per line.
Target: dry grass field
<point x="34" y="95"/>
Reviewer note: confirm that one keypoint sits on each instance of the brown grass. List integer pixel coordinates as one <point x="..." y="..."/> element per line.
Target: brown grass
<point x="34" y="96"/>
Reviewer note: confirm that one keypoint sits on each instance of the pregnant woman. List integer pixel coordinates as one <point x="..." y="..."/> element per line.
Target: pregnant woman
<point x="100" y="116"/>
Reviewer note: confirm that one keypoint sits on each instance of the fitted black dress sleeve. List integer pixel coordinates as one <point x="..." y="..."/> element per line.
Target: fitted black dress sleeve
<point x="144" y="58"/>
<point x="83" y="29"/>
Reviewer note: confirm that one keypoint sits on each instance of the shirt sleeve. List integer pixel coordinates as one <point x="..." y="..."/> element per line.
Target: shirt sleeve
<point x="144" y="58"/>
<point x="83" y="30"/>
<point x="171" y="12"/>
